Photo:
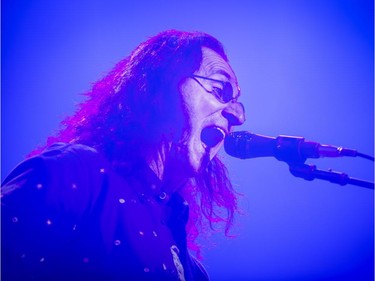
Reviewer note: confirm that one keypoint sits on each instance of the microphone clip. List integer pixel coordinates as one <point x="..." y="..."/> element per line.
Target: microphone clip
<point x="295" y="150"/>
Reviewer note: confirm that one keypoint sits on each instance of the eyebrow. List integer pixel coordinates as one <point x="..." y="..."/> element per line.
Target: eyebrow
<point x="227" y="75"/>
<point x="223" y="72"/>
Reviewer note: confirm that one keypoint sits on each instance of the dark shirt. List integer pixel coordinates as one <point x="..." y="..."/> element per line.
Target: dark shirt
<point x="68" y="214"/>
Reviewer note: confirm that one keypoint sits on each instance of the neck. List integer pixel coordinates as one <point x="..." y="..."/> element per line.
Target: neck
<point x="169" y="168"/>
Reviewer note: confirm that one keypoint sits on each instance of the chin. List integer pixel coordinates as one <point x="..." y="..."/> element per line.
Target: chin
<point x="199" y="165"/>
<point x="196" y="155"/>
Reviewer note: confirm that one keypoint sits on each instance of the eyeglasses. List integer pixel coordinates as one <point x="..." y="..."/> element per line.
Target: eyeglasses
<point x="224" y="94"/>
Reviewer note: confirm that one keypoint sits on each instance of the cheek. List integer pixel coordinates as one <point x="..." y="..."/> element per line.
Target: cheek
<point x="191" y="101"/>
<point x="196" y="110"/>
<point x="196" y="103"/>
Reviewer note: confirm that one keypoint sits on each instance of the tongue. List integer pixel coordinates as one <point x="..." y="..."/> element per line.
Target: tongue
<point x="211" y="136"/>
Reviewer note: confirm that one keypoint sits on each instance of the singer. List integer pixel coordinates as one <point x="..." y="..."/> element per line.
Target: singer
<point x="130" y="181"/>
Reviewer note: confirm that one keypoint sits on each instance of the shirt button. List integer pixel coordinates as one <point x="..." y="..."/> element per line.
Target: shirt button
<point x="162" y="195"/>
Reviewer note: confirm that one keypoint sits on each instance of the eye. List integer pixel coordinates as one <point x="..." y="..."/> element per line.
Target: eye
<point x="218" y="93"/>
<point x="222" y="91"/>
<point x="224" y="94"/>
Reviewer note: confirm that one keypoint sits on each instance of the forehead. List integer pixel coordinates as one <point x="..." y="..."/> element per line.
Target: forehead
<point x="213" y="63"/>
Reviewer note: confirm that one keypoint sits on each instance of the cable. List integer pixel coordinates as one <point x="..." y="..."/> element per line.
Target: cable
<point x="368" y="157"/>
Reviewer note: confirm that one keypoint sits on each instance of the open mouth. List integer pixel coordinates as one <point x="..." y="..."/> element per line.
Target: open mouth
<point x="212" y="136"/>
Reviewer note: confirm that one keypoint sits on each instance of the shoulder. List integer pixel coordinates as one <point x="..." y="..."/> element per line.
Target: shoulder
<point x="63" y="152"/>
<point x="69" y="176"/>
<point x="57" y="154"/>
<point x="43" y="200"/>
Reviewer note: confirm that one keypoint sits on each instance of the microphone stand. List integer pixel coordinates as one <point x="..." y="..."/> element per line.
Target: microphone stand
<point x="310" y="172"/>
<point x="288" y="149"/>
<point x="294" y="151"/>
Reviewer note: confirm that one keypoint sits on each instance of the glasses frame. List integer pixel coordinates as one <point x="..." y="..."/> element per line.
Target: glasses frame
<point x="233" y="99"/>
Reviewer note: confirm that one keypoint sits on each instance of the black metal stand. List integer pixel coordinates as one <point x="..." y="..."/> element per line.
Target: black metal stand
<point x="310" y="172"/>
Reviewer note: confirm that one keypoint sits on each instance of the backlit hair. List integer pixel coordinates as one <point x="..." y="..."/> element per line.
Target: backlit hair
<point x="136" y="109"/>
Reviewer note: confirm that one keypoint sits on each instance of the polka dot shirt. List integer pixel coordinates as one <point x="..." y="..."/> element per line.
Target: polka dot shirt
<point x="67" y="214"/>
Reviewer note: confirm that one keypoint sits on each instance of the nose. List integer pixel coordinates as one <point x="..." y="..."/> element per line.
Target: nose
<point x="234" y="112"/>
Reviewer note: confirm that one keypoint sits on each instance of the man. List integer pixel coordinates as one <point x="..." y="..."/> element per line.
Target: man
<point x="129" y="182"/>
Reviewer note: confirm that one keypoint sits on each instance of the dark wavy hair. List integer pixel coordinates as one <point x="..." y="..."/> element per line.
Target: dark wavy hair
<point x="136" y="109"/>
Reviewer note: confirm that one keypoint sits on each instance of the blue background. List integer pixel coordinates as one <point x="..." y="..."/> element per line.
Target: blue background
<point x="305" y="69"/>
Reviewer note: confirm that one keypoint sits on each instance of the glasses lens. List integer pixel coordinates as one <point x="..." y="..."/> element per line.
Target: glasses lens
<point x="227" y="92"/>
<point x="224" y="95"/>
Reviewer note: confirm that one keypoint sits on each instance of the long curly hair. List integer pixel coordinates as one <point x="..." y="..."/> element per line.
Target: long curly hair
<point x="135" y="109"/>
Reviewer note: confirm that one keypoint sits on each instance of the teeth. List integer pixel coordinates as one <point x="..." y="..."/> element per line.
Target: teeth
<point x="211" y="136"/>
<point x="221" y="130"/>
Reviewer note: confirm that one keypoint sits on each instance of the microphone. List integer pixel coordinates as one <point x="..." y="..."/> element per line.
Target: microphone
<point x="290" y="149"/>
